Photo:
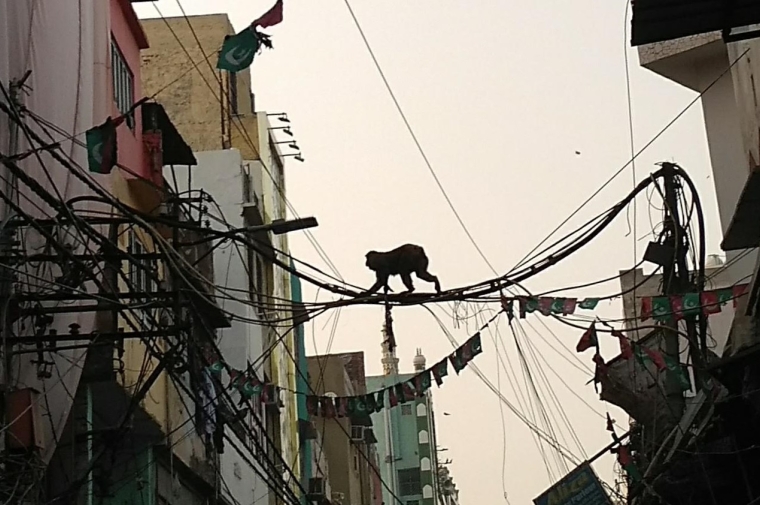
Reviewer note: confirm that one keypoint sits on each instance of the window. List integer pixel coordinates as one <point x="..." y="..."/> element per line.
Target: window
<point x="421" y="410"/>
<point x="233" y="86"/>
<point x="425" y="464"/>
<point x="406" y="410"/>
<point x="123" y="83"/>
<point x="409" y="482"/>
<point x="424" y="438"/>
<point x="142" y="276"/>
<point x="427" y="491"/>
<point x="256" y="280"/>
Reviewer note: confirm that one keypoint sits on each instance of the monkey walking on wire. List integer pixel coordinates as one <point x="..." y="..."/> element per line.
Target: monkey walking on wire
<point x="403" y="261"/>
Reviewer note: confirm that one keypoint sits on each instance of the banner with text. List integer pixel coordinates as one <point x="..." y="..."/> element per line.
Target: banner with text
<point x="579" y="487"/>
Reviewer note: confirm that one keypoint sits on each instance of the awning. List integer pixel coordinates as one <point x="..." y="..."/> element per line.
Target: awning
<point x="744" y="230"/>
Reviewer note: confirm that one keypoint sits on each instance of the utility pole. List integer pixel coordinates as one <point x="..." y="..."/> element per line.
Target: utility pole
<point x="676" y="281"/>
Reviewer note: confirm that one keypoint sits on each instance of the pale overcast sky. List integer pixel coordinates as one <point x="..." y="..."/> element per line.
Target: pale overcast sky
<point x="501" y="95"/>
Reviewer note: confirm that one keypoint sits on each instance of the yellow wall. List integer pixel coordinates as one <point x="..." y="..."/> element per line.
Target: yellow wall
<point x="163" y="401"/>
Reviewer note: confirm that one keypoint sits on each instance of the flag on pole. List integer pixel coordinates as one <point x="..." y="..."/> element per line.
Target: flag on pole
<point x="238" y="51"/>
<point x="271" y="17"/>
<point x="102" y="147"/>
<point x="626" y="351"/>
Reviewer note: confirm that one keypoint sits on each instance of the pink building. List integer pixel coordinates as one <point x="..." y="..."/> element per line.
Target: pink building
<point x="127" y="40"/>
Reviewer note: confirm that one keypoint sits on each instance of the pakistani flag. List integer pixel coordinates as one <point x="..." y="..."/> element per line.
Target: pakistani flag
<point x="589" y="303"/>
<point x="440" y="371"/>
<point x="691" y="303"/>
<point x="380" y="400"/>
<point x="661" y="308"/>
<point x="101" y="146"/>
<point x="238" y="51"/>
<point x="675" y="367"/>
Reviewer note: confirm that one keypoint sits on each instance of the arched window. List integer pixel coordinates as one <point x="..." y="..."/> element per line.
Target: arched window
<point x="421" y="410"/>
<point x="425" y="464"/>
<point x="427" y="491"/>
<point x="424" y="439"/>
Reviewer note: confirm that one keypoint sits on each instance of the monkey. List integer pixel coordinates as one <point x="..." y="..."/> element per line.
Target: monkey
<point x="402" y="261"/>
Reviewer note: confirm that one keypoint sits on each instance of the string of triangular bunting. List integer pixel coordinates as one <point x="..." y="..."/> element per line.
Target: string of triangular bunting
<point x="657" y="307"/>
<point x="249" y="386"/>
<point x="399" y="393"/>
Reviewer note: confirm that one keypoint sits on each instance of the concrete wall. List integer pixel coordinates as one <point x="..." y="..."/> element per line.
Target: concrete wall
<point x="401" y="427"/>
<point x="342" y="456"/>
<point x="730" y="110"/>
<point x="220" y="174"/>
<point x="198" y="101"/>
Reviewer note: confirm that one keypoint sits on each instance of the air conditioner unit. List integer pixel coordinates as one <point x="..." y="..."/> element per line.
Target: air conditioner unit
<point x="316" y="489"/>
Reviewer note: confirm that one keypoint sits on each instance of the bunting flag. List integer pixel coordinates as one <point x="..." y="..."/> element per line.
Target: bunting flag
<point x="440" y="370"/>
<point x="668" y="308"/>
<point x="647" y="355"/>
<point x="238" y="51"/>
<point x="674" y="367"/>
<point x="329" y="410"/>
<point x="312" y="405"/>
<point x="545" y="305"/>
<point x="588" y="339"/>
<point x="422" y="382"/>
<point x="370" y="402"/>
<point x="400" y="393"/>
<point x="248" y="385"/>
<point x="626" y="461"/>
<point x="379" y="400"/>
<point x="410" y="393"/>
<point x="341" y="406"/>
<point x="610" y="423"/>
<point x="589" y="303"/>
<point x="392" y="398"/>
<point x="626" y="351"/>
<point x="102" y="149"/>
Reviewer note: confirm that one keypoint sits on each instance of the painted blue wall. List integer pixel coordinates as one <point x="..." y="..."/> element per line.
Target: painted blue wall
<point x="302" y="386"/>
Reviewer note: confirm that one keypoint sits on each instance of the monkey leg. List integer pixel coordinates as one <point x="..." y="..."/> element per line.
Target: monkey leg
<point x="427" y="276"/>
<point x="406" y="278"/>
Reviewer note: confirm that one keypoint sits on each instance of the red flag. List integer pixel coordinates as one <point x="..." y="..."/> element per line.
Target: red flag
<point x="676" y="304"/>
<point x="568" y="307"/>
<point x="646" y="308"/>
<point x="710" y="303"/>
<point x="624" y="455"/>
<point x="739" y="291"/>
<point x="328" y="407"/>
<point x="272" y="17"/>
<point x="545" y="305"/>
<point x="392" y="398"/>
<point x="626" y="351"/>
<point x="656" y="357"/>
<point x="588" y="340"/>
<point x="341" y="406"/>
<point x="409" y="391"/>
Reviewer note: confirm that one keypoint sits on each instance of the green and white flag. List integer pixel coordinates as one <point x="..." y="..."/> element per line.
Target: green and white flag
<point x="238" y="51"/>
<point x="101" y="146"/>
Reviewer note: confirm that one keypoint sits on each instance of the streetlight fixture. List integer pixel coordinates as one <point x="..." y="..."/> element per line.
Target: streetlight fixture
<point x="281" y="226"/>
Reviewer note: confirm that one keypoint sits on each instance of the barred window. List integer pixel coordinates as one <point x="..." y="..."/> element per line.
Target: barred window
<point x="123" y="83"/>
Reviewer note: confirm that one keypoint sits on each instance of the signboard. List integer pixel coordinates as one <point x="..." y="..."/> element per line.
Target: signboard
<point x="579" y="487"/>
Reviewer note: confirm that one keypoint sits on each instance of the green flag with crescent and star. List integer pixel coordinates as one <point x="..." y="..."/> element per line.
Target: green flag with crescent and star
<point x="102" y="147"/>
<point x="238" y="51"/>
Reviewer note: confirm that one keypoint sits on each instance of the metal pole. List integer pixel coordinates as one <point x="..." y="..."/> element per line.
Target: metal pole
<point x="675" y="282"/>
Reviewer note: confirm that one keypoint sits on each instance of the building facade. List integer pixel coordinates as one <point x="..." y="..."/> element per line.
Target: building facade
<point x="215" y="110"/>
<point x="406" y="439"/>
<point x="348" y="442"/>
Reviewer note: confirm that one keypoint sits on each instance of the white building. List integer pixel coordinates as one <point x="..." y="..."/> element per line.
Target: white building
<point x="227" y="179"/>
<point x="730" y="108"/>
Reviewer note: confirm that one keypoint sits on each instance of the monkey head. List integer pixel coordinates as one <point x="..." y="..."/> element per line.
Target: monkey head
<point x="374" y="260"/>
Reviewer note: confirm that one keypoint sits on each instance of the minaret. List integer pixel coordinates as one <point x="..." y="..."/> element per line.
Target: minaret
<point x="390" y="361"/>
<point x="419" y="361"/>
